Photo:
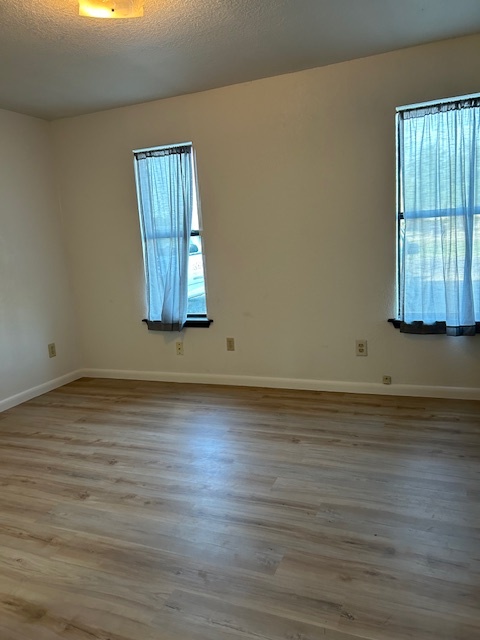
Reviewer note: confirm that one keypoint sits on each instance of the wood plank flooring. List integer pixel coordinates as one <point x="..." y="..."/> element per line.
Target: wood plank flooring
<point x="150" y="511"/>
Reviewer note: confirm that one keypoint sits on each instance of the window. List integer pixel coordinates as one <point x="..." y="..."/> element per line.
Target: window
<point x="171" y="237"/>
<point x="438" y="217"/>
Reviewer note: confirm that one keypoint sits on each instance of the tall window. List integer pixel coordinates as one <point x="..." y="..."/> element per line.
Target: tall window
<point x="438" y="220"/>
<point x="171" y="236"/>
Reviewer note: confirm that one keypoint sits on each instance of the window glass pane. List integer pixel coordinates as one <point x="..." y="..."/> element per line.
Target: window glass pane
<point x="195" y="222"/>
<point x="476" y="264"/>
<point x="197" y="303"/>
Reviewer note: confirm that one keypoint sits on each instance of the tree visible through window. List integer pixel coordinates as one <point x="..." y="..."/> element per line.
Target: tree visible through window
<point x="438" y="219"/>
<point x="171" y="236"/>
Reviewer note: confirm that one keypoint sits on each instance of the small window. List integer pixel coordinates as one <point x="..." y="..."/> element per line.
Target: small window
<point x="438" y="217"/>
<point x="171" y="228"/>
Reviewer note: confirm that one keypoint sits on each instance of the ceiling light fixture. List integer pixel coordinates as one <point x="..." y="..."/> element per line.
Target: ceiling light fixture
<point x="111" y="8"/>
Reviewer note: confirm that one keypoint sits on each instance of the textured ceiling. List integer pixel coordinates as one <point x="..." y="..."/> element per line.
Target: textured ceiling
<point x="55" y="63"/>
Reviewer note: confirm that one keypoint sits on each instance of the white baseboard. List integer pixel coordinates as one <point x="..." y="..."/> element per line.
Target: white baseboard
<point x="463" y="393"/>
<point x="23" y="396"/>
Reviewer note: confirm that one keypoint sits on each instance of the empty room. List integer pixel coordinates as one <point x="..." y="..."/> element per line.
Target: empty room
<point x="240" y="320"/>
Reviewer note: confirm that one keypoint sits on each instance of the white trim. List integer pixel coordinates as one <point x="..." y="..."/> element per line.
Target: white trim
<point x="463" y="393"/>
<point x="23" y="396"/>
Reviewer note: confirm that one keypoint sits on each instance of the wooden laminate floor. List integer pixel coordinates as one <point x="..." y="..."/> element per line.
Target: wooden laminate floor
<point x="141" y="511"/>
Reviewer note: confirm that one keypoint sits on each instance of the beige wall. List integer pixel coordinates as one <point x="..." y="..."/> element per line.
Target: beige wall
<point x="35" y="299"/>
<point x="297" y="182"/>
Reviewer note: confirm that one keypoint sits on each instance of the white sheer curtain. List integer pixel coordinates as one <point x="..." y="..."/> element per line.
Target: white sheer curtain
<point x="164" y="186"/>
<point x="439" y="247"/>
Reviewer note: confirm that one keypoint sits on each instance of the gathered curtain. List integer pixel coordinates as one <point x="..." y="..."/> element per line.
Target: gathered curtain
<point x="164" y="187"/>
<point x="439" y="218"/>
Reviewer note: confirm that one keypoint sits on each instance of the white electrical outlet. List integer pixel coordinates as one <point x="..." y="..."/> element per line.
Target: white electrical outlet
<point x="179" y="348"/>
<point x="230" y="344"/>
<point x="52" y="350"/>
<point x="361" y="348"/>
<point x="387" y="379"/>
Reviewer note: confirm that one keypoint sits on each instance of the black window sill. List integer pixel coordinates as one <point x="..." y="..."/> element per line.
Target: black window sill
<point x="420" y="328"/>
<point x="198" y="322"/>
<point x="396" y="323"/>
<point x="193" y="321"/>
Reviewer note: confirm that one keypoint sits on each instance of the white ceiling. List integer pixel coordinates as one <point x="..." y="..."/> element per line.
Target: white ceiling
<point x="55" y="63"/>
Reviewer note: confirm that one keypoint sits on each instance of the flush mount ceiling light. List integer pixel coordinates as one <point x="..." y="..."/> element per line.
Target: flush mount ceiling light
<point x="111" y="8"/>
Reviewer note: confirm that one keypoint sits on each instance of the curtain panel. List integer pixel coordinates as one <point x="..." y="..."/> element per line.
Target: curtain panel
<point x="439" y="218"/>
